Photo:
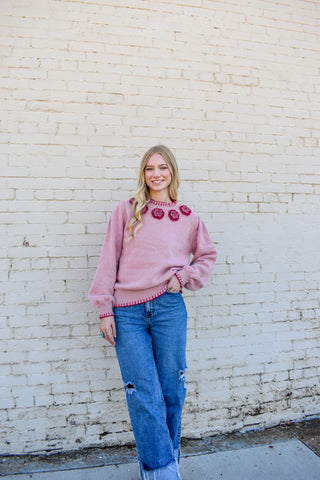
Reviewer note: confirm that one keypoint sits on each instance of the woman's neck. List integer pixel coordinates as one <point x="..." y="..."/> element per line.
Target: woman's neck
<point x="160" y="197"/>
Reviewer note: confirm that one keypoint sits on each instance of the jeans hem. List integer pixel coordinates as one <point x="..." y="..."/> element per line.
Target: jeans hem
<point x="176" y="453"/>
<point x="169" y="472"/>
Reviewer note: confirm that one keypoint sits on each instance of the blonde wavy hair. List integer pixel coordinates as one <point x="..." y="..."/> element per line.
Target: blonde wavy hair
<point x="142" y="196"/>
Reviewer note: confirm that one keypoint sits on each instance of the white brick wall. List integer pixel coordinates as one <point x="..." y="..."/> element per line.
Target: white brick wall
<point x="86" y="87"/>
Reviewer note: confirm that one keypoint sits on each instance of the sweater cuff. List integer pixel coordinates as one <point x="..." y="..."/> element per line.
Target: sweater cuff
<point x="177" y="274"/>
<point x="104" y="315"/>
<point x="183" y="276"/>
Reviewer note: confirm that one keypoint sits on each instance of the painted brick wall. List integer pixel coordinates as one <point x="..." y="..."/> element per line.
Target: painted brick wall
<point x="86" y="87"/>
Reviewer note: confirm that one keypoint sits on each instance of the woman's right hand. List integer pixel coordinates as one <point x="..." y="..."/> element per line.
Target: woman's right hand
<point x="108" y="329"/>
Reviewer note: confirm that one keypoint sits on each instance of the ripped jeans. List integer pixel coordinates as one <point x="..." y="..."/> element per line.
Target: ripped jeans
<point x="151" y="346"/>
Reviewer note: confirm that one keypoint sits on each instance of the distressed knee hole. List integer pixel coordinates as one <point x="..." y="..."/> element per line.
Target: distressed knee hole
<point x="129" y="388"/>
<point x="182" y="375"/>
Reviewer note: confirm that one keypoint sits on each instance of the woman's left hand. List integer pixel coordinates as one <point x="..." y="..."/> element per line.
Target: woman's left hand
<point x="173" y="285"/>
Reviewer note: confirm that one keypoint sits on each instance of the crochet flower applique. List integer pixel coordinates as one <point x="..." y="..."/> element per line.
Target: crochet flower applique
<point x="185" y="210"/>
<point x="157" y="213"/>
<point x="174" y="215"/>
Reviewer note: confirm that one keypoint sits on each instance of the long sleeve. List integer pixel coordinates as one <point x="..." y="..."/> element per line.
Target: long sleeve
<point x="101" y="293"/>
<point x="197" y="274"/>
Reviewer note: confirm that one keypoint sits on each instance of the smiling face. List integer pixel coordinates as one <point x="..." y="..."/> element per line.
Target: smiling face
<point x="158" y="177"/>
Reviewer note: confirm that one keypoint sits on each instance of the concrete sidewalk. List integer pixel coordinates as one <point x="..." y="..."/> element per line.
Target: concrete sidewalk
<point x="289" y="452"/>
<point x="290" y="460"/>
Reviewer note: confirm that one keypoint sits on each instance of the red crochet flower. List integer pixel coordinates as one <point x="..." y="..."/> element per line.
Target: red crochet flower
<point x="157" y="213"/>
<point x="131" y="200"/>
<point x="173" y="215"/>
<point x="185" y="210"/>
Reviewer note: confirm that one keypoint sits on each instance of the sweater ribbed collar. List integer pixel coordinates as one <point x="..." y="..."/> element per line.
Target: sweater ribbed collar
<point x="162" y="204"/>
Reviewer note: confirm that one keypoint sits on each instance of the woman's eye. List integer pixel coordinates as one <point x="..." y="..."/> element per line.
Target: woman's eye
<point x="162" y="167"/>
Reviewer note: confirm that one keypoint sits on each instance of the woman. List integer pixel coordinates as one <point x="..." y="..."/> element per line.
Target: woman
<point x="144" y="265"/>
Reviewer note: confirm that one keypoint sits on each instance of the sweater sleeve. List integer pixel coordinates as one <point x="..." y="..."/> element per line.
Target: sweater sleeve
<point x="197" y="274"/>
<point x="101" y="293"/>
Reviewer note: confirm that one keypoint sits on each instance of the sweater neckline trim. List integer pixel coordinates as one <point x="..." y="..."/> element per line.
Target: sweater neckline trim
<point x="162" y="204"/>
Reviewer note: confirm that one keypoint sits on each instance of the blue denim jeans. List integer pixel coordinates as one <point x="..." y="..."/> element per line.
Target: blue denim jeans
<point x="151" y="350"/>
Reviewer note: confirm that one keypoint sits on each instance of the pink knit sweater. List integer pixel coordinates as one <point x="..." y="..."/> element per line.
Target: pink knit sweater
<point x="172" y="240"/>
